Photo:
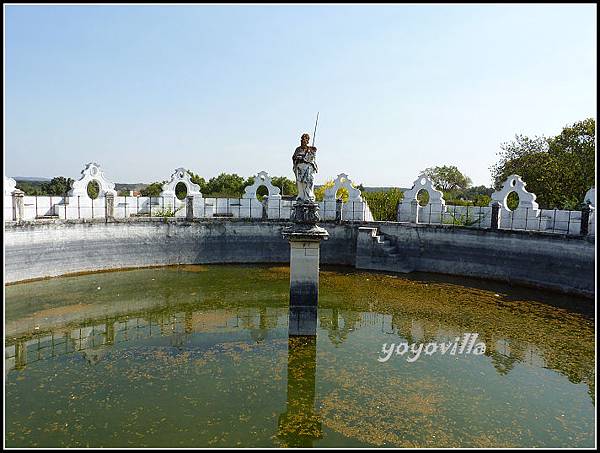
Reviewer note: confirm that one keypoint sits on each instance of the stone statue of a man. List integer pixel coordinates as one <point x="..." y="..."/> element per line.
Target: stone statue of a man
<point x="305" y="165"/>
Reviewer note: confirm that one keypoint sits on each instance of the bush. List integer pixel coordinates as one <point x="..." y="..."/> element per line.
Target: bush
<point x="166" y="212"/>
<point x="467" y="219"/>
<point x="384" y="205"/>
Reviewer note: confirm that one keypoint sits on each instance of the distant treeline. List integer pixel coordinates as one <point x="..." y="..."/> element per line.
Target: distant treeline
<point x="56" y="186"/>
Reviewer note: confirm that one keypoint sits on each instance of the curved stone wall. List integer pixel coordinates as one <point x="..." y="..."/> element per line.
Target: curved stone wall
<point x="57" y="247"/>
<point x="46" y="249"/>
<point x="543" y="260"/>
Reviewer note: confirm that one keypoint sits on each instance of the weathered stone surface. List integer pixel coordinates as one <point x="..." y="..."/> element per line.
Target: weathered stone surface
<point x="305" y="212"/>
<point x="57" y="247"/>
<point x="304" y="272"/>
<point x="542" y="260"/>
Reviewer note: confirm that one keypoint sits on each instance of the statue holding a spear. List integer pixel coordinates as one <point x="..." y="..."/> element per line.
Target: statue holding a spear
<point x="305" y="166"/>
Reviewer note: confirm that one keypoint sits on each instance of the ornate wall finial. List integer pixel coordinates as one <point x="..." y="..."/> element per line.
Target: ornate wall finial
<point x="92" y="172"/>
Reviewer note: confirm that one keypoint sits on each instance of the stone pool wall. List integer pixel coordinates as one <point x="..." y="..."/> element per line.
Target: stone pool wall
<point x="57" y="247"/>
<point x="545" y="260"/>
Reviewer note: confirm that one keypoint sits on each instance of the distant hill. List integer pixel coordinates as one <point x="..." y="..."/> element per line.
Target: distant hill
<point x="136" y="187"/>
<point x="384" y="189"/>
<point x="374" y="189"/>
<point x="30" y="179"/>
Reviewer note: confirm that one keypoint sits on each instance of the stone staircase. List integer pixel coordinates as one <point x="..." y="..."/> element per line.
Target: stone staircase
<point x="377" y="251"/>
<point x="385" y="245"/>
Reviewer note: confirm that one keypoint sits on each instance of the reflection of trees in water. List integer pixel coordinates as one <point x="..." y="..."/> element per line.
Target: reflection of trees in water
<point x="502" y="363"/>
<point x="180" y="322"/>
<point x="265" y="324"/>
<point x="94" y="356"/>
<point x="258" y="322"/>
<point x="92" y="340"/>
<point x="504" y="353"/>
<point x="336" y="331"/>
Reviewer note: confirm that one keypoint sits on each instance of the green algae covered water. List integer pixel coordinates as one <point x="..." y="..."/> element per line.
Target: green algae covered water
<point x="200" y="356"/>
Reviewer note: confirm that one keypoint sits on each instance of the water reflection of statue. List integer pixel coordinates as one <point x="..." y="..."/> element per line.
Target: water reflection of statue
<point x="300" y="425"/>
<point x="94" y="356"/>
<point x="305" y="165"/>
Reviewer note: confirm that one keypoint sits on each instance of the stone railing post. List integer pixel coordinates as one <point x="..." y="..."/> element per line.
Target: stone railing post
<point x="189" y="207"/>
<point x="414" y="211"/>
<point x="109" y="204"/>
<point x="265" y="208"/>
<point x="17" y="201"/>
<point x="338" y="210"/>
<point x="585" y="220"/>
<point x="495" y="216"/>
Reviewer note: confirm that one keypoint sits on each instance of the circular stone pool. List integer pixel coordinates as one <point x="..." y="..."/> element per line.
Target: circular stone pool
<point x="199" y="356"/>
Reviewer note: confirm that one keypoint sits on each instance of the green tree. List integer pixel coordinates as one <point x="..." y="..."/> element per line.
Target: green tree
<point x="57" y="186"/>
<point x="196" y="179"/>
<point x="559" y="170"/>
<point x="575" y="149"/>
<point x="152" y="190"/>
<point x="287" y="186"/>
<point x="447" y="177"/>
<point x="472" y="196"/>
<point x="225" y="185"/>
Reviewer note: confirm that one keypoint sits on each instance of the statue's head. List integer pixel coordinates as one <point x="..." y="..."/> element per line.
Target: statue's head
<point x="304" y="140"/>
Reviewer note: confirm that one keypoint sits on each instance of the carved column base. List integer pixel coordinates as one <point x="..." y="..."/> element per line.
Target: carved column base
<point x="305" y="212"/>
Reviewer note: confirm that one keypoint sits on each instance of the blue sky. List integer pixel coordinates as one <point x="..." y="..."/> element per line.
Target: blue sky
<point x="142" y="90"/>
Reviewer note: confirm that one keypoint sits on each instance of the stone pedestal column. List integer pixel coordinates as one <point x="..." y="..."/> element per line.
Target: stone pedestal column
<point x="304" y="271"/>
<point x="305" y="239"/>
<point x="109" y="204"/>
<point x="189" y="207"/>
<point x="20" y="355"/>
<point x="495" y="219"/>
<point x="585" y="219"/>
<point x="18" y="205"/>
<point x="414" y="211"/>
